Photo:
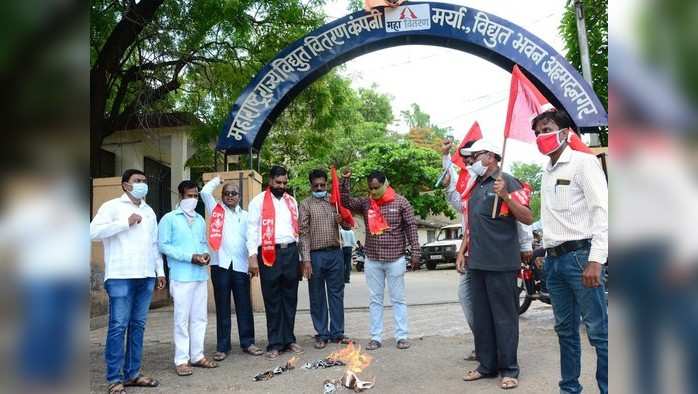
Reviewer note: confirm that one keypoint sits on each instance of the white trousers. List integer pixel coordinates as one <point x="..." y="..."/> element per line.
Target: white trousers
<point x="190" y="319"/>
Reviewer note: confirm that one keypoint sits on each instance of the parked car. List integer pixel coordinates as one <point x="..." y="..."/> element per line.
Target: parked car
<point x="443" y="250"/>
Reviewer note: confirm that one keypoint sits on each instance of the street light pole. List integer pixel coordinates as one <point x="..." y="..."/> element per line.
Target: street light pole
<point x="593" y="139"/>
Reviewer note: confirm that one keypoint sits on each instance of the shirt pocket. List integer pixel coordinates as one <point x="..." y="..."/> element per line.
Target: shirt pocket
<point x="560" y="197"/>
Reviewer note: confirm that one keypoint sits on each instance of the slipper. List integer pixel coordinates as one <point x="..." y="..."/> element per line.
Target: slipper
<point x="183" y="369"/>
<point x="509" y="383"/>
<point x="141" y="381"/>
<point x="253" y="350"/>
<point x="471" y="376"/>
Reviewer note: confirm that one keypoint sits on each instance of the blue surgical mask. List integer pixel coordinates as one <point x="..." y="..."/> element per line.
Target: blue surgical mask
<point x="320" y="194"/>
<point x="139" y="190"/>
<point x="478" y="168"/>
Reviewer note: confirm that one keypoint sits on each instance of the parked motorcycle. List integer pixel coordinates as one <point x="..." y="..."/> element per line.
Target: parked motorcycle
<point x="358" y="257"/>
<point x="531" y="284"/>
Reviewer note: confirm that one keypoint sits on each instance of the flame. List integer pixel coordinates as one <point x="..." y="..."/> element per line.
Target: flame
<point x="351" y="356"/>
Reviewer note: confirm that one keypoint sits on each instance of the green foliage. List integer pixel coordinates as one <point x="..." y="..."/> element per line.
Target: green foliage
<point x="411" y="170"/>
<point x="422" y="132"/>
<point x="531" y="174"/>
<point x="596" y="19"/>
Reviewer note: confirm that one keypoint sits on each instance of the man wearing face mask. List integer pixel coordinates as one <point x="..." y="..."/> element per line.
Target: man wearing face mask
<point x="272" y="246"/>
<point x="390" y="225"/>
<point x="323" y="261"/>
<point x="493" y="263"/>
<point x="128" y="228"/>
<point x="182" y="238"/>
<point x="574" y="214"/>
<point x="459" y="201"/>
<point x="229" y="268"/>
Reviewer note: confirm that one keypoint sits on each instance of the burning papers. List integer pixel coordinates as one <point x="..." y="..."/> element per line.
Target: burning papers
<point x="290" y="364"/>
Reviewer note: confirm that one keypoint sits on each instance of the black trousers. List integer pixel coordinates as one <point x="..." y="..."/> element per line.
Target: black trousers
<point x="347" y="262"/>
<point x="496" y="318"/>
<point x="224" y="282"/>
<point x="280" y="292"/>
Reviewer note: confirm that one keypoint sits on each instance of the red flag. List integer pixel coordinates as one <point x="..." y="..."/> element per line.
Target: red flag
<point x="525" y="103"/>
<point x="335" y="199"/>
<point x="471" y="136"/>
<point x="522" y="196"/>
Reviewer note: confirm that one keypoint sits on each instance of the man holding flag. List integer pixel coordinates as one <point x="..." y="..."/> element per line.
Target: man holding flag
<point x="494" y="263"/>
<point x="323" y="260"/>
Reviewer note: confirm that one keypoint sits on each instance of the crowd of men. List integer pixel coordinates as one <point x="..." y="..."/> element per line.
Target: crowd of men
<point x="280" y="240"/>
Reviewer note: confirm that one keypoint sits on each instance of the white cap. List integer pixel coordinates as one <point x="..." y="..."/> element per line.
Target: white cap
<point x="486" y="145"/>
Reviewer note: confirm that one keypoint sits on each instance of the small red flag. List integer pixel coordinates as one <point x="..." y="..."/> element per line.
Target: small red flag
<point x="336" y="199"/>
<point x="474" y="134"/>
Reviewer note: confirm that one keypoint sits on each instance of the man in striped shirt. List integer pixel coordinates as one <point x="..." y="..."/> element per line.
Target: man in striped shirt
<point x="574" y="213"/>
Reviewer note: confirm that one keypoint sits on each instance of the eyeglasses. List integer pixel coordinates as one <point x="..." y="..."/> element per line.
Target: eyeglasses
<point x="230" y="193"/>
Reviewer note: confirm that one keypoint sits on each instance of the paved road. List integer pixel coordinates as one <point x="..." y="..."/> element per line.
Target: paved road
<point x="434" y="364"/>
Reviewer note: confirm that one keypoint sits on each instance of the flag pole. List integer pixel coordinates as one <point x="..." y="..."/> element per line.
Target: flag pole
<point x="496" y="196"/>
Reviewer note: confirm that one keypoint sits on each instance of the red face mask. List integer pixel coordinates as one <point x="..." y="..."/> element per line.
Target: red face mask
<point x="549" y="142"/>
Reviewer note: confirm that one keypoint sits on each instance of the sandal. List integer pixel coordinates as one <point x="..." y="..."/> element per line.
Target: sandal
<point x="253" y="350"/>
<point x="220" y="356"/>
<point x="205" y="363"/>
<point x="183" y="369"/>
<point x="472" y="376"/>
<point x="509" y="383"/>
<point x="272" y="355"/>
<point x="141" y="381"/>
<point x="373" y="345"/>
<point x="403" y="344"/>
<point x="116" y="388"/>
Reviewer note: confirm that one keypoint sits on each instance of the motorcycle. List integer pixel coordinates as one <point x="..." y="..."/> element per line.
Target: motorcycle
<point x="358" y="257"/>
<point x="531" y="284"/>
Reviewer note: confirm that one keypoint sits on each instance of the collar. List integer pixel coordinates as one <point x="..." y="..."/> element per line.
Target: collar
<point x="124" y="198"/>
<point x="565" y="157"/>
<point x="493" y="175"/>
<point x="236" y="210"/>
<point x="179" y="211"/>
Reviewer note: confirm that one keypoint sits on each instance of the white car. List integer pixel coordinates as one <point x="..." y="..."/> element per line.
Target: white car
<point x="443" y="250"/>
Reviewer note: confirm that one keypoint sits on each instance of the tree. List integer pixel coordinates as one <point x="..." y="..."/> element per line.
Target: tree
<point x="596" y="19"/>
<point x="411" y="171"/>
<point x="533" y="175"/>
<point x="422" y="132"/>
<point x="154" y="56"/>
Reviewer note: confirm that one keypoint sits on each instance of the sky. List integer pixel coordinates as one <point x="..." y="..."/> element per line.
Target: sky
<point x="452" y="86"/>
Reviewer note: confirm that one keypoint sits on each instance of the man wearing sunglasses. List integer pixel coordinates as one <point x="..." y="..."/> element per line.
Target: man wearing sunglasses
<point x="227" y="238"/>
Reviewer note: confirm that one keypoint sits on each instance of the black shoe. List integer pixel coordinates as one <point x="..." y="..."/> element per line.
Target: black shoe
<point x="320" y="343"/>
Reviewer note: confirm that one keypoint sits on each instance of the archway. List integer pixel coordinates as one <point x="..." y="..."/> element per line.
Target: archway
<point x="453" y="26"/>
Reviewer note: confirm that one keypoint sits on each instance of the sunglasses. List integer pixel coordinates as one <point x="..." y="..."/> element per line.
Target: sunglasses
<point x="230" y="193"/>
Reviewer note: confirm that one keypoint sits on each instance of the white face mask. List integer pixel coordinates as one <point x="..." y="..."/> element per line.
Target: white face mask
<point x="188" y="205"/>
<point x="478" y="168"/>
<point x="139" y="190"/>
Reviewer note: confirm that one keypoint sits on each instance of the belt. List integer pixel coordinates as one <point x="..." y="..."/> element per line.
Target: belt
<point x="327" y="249"/>
<point x="285" y="246"/>
<point x="566" y="247"/>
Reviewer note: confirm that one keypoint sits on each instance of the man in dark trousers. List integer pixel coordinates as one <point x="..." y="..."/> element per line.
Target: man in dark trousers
<point x="494" y="262"/>
<point x="272" y="236"/>
<point x="323" y="261"/>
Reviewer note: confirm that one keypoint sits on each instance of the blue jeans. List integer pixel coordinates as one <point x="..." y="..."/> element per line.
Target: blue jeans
<point x="571" y="300"/>
<point x="377" y="273"/>
<point x="326" y="285"/>
<point x="129" y="301"/>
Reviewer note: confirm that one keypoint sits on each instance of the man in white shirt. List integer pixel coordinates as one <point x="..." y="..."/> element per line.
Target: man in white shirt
<point x="229" y="268"/>
<point x="574" y="213"/>
<point x="128" y="229"/>
<point x="272" y="236"/>
<point x="348" y="241"/>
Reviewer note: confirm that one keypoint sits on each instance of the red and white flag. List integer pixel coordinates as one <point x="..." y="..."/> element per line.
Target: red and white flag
<point x="474" y="134"/>
<point x="336" y="199"/>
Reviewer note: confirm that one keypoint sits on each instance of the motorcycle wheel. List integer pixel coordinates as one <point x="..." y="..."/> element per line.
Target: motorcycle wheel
<point x="524" y="300"/>
<point x="359" y="267"/>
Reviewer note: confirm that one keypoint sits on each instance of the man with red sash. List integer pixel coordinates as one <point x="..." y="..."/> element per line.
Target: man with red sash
<point x="272" y="236"/>
<point x="390" y="225"/>
<point x="227" y="239"/>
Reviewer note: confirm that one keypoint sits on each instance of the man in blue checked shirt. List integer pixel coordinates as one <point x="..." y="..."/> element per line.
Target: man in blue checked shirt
<point x="182" y="238"/>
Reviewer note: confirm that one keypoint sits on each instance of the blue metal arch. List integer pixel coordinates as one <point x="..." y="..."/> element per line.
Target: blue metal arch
<point x="452" y="26"/>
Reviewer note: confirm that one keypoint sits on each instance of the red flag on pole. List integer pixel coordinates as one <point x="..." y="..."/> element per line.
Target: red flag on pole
<point x="525" y="103"/>
<point x="474" y="134"/>
<point x="337" y="201"/>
